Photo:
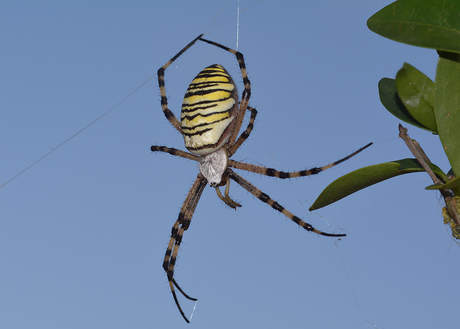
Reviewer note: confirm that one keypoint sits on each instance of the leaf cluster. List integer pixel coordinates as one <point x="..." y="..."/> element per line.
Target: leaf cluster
<point x="417" y="100"/>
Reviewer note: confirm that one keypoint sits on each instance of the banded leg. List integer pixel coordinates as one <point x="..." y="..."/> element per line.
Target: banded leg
<point x="245" y="134"/>
<point x="282" y="174"/>
<point x="275" y="205"/>
<point x="180" y="226"/>
<point x="161" y="83"/>
<point x="246" y="92"/>
<point x="173" y="151"/>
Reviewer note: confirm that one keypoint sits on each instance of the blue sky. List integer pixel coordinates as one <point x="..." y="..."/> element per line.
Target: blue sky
<point x="83" y="232"/>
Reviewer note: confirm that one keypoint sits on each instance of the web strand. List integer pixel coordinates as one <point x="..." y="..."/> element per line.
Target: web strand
<point x="78" y="132"/>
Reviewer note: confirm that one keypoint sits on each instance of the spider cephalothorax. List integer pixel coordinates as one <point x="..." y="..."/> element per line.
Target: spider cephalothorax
<point x="211" y="119"/>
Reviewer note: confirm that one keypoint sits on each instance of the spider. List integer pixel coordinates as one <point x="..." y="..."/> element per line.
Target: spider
<point x="211" y="119"/>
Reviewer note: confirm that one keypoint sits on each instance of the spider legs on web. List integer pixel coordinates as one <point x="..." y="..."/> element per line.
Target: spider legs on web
<point x="180" y="226"/>
<point x="233" y="143"/>
<point x="283" y="174"/>
<point x="275" y="205"/>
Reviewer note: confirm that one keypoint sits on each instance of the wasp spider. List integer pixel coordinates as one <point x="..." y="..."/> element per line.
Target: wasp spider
<point x="211" y="119"/>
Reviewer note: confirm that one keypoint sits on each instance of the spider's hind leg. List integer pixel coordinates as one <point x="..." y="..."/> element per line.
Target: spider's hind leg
<point x="161" y="84"/>
<point x="245" y="134"/>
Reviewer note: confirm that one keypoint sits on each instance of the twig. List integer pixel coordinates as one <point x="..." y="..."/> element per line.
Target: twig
<point x="423" y="159"/>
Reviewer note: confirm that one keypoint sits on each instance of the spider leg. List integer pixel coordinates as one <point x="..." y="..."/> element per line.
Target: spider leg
<point x="282" y="174"/>
<point x="173" y="151"/>
<point x="246" y="92"/>
<point x="275" y="205"/>
<point x="161" y="83"/>
<point x="228" y="201"/>
<point x="180" y="226"/>
<point x="245" y="134"/>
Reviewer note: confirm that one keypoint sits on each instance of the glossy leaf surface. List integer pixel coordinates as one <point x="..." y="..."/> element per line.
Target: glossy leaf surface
<point x="367" y="176"/>
<point x="390" y="99"/>
<point x="417" y="93"/>
<point x="424" y="23"/>
<point x="453" y="185"/>
<point x="447" y="107"/>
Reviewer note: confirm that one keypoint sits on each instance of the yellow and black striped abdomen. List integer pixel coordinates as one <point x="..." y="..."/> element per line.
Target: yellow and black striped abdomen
<point x="208" y="111"/>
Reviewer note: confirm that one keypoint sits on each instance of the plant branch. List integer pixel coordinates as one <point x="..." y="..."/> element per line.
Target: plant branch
<point x="423" y="159"/>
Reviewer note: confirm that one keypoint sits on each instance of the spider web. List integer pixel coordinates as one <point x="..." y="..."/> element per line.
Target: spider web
<point x="209" y="30"/>
<point x="110" y="110"/>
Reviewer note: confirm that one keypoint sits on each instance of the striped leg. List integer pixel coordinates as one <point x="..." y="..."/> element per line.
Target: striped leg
<point x="245" y="134"/>
<point x="180" y="226"/>
<point x="246" y="92"/>
<point x="161" y="83"/>
<point x="275" y="205"/>
<point x="282" y="174"/>
<point x="172" y="151"/>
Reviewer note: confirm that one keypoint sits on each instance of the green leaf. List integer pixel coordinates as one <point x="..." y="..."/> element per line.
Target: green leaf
<point x="417" y="93"/>
<point x="367" y="176"/>
<point x="411" y="165"/>
<point x="424" y="23"/>
<point x="447" y="107"/>
<point x="453" y="184"/>
<point x="390" y="99"/>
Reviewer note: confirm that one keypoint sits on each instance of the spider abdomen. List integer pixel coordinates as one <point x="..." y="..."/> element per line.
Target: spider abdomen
<point x="208" y="111"/>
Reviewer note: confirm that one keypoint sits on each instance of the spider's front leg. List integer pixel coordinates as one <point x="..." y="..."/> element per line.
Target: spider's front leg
<point x="180" y="226"/>
<point x="275" y="205"/>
